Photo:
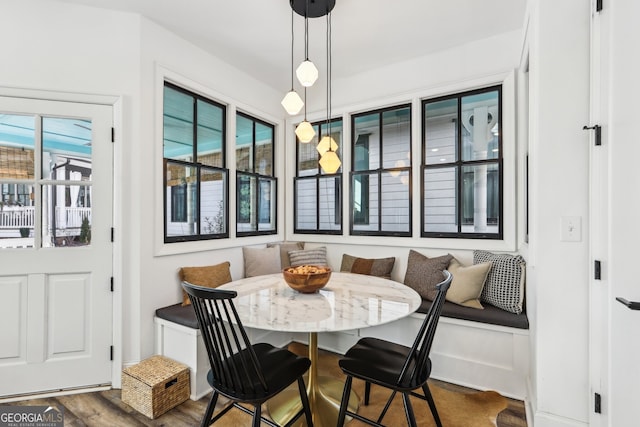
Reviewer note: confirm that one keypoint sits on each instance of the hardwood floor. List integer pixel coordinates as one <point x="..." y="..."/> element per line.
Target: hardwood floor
<point x="106" y="409"/>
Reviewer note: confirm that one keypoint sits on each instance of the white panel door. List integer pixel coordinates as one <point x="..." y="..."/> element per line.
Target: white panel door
<point x="55" y="245"/>
<point x="624" y="233"/>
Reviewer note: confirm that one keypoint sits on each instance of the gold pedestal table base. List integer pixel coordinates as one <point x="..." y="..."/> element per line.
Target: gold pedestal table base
<point x="325" y="394"/>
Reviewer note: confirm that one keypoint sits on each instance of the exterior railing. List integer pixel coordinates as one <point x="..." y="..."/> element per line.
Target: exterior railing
<point x="16" y="217"/>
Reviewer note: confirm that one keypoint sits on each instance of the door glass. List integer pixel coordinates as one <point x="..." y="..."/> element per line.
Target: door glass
<point x="61" y="213"/>
<point x="66" y="158"/>
<point x="66" y="215"/>
<point x="17" y="142"/>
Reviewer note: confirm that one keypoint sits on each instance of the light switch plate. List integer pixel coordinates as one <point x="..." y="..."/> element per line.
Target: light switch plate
<point x="571" y="229"/>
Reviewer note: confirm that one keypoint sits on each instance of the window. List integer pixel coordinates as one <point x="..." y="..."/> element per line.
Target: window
<point x="256" y="184"/>
<point x="317" y="195"/>
<point x="381" y="172"/>
<point x="462" y="165"/>
<point x="195" y="178"/>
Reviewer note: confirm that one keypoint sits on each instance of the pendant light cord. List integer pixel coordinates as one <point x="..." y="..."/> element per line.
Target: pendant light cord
<point x="306" y="32"/>
<point x="292" y="46"/>
<point x="329" y="58"/>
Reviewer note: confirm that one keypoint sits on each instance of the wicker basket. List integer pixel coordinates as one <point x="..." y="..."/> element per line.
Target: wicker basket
<point x="155" y="385"/>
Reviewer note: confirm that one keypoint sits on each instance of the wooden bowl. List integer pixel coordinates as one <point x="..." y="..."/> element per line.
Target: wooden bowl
<point x="316" y="278"/>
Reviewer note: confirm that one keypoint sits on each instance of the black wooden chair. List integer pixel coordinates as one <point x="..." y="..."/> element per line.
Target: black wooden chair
<point x="243" y="372"/>
<point x="394" y="366"/>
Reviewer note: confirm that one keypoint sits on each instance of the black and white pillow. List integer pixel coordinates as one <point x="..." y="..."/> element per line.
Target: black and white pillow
<point x="504" y="287"/>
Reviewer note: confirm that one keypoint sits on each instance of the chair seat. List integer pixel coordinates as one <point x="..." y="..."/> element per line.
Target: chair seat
<point x="280" y="366"/>
<point x="379" y="362"/>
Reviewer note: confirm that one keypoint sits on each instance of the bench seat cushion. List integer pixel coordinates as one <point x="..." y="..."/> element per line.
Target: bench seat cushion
<point x="491" y="314"/>
<point x="177" y="313"/>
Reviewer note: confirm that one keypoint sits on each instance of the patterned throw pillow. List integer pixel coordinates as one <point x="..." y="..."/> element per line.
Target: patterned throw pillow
<point x="285" y="247"/>
<point x="504" y="287"/>
<point x="315" y="256"/>
<point x="380" y="267"/>
<point x="210" y="276"/>
<point x="423" y="273"/>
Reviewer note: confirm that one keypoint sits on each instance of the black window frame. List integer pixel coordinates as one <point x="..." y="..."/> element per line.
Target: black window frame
<point x="260" y="178"/>
<point x="378" y="172"/>
<point x="459" y="164"/>
<point x="199" y="167"/>
<point x="321" y="130"/>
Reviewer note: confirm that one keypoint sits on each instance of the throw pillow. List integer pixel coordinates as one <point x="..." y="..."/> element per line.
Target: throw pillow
<point x="285" y="247"/>
<point x="315" y="256"/>
<point x="259" y="261"/>
<point x="380" y="267"/>
<point x="424" y="273"/>
<point x="505" y="283"/>
<point x="210" y="276"/>
<point x="467" y="284"/>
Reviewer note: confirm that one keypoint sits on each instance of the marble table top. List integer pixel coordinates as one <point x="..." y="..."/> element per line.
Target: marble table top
<point x="348" y="301"/>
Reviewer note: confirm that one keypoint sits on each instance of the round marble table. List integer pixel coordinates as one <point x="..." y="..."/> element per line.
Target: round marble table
<point x="348" y="301"/>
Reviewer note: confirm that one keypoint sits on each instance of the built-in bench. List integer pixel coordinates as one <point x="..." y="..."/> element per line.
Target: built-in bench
<point x="479" y="348"/>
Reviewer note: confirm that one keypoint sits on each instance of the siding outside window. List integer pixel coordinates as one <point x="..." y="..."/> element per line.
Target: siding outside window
<point x="195" y="179"/>
<point x="462" y="165"/>
<point x="317" y="195"/>
<point x="255" y="181"/>
<point x="380" y="199"/>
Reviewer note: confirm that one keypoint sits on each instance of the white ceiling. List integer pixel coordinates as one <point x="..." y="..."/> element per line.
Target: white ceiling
<point x="255" y="35"/>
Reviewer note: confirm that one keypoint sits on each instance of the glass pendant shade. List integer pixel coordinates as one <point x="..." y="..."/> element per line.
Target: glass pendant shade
<point x="326" y="143"/>
<point x="307" y="73"/>
<point x="292" y="102"/>
<point x="305" y="132"/>
<point x="330" y="162"/>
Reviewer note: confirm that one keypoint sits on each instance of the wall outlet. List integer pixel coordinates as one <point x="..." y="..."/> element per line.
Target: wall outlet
<point x="571" y="229"/>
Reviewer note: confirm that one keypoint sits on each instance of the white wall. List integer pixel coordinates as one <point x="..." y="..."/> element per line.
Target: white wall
<point x="558" y="271"/>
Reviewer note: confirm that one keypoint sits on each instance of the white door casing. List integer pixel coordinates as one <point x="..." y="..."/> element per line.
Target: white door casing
<point x="57" y="305"/>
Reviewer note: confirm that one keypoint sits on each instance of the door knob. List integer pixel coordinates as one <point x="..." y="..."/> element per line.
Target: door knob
<point x="632" y="305"/>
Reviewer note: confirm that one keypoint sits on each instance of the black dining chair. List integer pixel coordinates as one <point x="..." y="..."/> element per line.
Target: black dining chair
<point x="394" y="366"/>
<point x="243" y="372"/>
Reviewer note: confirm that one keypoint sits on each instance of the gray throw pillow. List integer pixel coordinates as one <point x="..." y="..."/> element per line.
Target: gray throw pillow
<point x="424" y="273"/>
<point x="315" y="256"/>
<point x="259" y="261"/>
<point x="504" y="287"/>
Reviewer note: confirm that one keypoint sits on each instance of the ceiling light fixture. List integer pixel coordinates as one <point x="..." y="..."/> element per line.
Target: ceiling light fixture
<point x="307" y="72"/>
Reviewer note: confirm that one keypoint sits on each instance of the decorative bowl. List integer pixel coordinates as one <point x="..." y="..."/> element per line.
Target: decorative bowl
<point x="306" y="278"/>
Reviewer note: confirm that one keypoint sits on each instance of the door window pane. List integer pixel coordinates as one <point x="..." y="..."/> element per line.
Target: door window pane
<point x="66" y="215"/>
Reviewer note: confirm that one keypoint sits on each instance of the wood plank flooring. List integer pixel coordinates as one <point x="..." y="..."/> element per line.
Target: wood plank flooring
<point x="106" y="409"/>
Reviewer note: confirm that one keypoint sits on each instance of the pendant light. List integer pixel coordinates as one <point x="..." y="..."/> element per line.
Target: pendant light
<point x="329" y="162"/>
<point x="292" y="102"/>
<point x="307" y="72"/>
<point x="304" y="130"/>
